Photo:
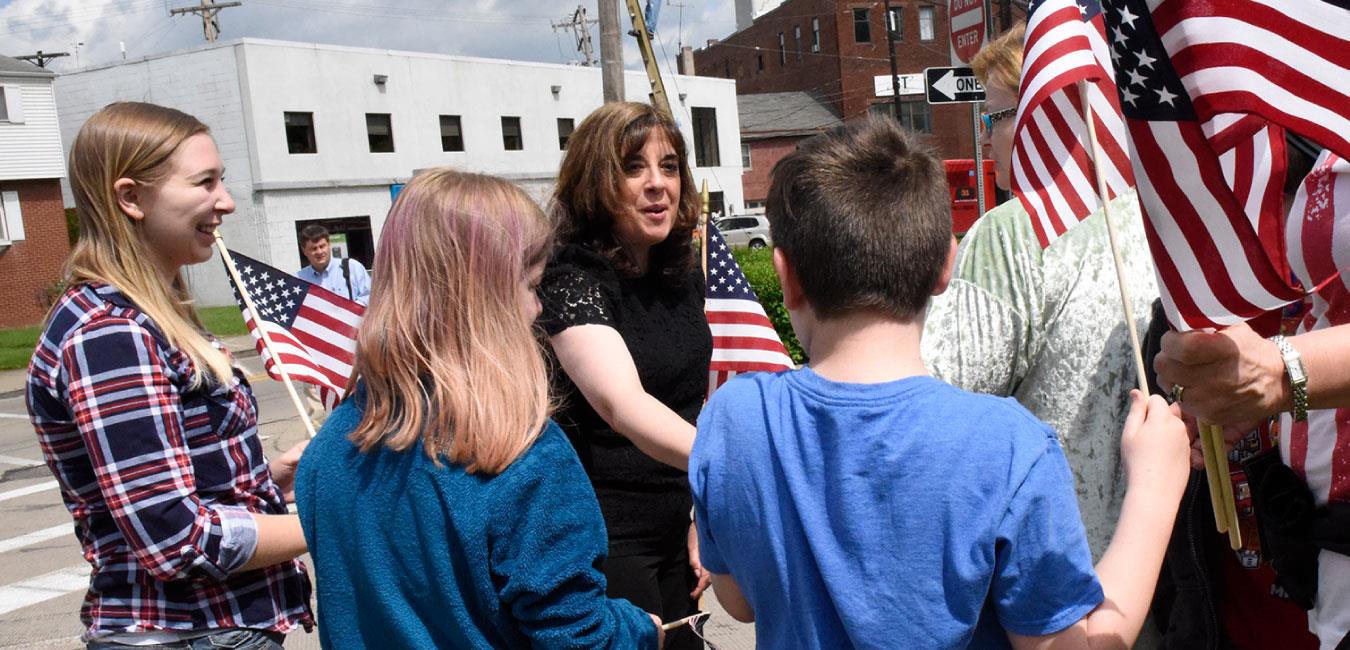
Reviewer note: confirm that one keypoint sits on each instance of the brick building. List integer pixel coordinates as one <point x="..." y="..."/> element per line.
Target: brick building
<point x="833" y="50"/>
<point x="771" y="126"/>
<point x="33" y="240"/>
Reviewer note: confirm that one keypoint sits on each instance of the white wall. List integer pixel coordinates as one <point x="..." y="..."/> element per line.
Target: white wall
<point x="31" y="148"/>
<point x="242" y="89"/>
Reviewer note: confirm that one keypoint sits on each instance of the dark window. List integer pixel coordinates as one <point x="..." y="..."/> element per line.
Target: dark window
<point x="745" y="156"/>
<point x="926" y="30"/>
<point x="300" y="133"/>
<point x="4" y="106"/>
<point x="759" y="60"/>
<point x="797" y="34"/>
<point x="815" y="34"/>
<point x="916" y="116"/>
<point x="511" y="138"/>
<point x="895" y="22"/>
<point x="782" y="49"/>
<point x="705" y="137"/>
<point x="862" y="26"/>
<point x="728" y="69"/>
<point x="380" y="132"/>
<point x="565" y="127"/>
<point x="452" y="133"/>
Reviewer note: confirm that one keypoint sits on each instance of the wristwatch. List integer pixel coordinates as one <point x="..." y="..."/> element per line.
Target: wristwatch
<point x="1298" y="377"/>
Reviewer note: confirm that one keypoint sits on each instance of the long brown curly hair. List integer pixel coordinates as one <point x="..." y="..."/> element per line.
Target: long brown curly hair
<point x="590" y="188"/>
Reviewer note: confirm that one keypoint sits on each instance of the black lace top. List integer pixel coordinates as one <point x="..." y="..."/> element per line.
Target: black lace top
<point x="643" y="501"/>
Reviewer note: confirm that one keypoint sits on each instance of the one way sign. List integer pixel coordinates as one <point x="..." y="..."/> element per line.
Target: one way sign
<point x="952" y="86"/>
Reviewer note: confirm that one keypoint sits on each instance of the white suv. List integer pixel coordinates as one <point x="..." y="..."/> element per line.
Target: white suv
<point x="750" y="230"/>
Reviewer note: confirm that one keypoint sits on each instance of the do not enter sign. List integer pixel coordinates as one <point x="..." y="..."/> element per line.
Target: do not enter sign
<point x="967" y="20"/>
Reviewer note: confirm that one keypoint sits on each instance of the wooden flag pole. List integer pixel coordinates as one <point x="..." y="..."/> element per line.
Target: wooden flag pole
<point x="1215" y="436"/>
<point x="262" y="331"/>
<point x="1111" y="236"/>
<point x="704" y="217"/>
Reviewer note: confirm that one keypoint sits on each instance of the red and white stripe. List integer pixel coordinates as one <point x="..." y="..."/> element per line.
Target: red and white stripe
<point x="320" y="348"/>
<point x="1212" y="267"/>
<point x="1052" y="164"/>
<point x="1319" y="234"/>
<point x="744" y="340"/>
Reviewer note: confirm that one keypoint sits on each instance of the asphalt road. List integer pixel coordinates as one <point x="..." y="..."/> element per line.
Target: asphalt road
<point x="43" y="576"/>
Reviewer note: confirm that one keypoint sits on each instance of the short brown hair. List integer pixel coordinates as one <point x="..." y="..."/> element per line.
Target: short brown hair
<point x="999" y="62"/>
<point x="590" y="181"/>
<point x="312" y="232"/>
<point x="862" y="213"/>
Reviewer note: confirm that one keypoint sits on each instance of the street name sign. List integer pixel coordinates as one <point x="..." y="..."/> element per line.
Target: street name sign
<point x="910" y="84"/>
<point x="952" y="86"/>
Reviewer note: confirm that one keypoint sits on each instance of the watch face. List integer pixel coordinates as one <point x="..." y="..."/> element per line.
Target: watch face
<point x="1296" y="374"/>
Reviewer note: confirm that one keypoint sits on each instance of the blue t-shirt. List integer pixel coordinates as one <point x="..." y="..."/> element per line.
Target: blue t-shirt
<point x="907" y="514"/>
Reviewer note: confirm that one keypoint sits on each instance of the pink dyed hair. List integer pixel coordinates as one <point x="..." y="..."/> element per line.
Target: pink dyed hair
<point x="446" y="353"/>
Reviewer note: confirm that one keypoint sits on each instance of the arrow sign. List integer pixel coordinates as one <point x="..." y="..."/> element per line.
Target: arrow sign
<point x="952" y="86"/>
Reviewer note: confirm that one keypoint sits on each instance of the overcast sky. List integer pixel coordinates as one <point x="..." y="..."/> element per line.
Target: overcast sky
<point x="485" y="28"/>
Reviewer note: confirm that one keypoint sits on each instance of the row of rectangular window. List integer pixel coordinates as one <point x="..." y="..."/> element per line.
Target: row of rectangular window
<point x="862" y="32"/>
<point x="862" y="23"/>
<point x="380" y="133"/>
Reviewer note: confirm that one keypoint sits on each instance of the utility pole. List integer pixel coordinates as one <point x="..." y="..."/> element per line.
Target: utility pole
<point x="41" y="59"/>
<point x="611" y="51"/>
<point x="210" y="13"/>
<point x="581" y="29"/>
<point x="891" y="29"/>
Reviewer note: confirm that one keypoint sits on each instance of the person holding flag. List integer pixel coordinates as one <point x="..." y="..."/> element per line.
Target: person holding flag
<point x="623" y="308"/>
<point x="1189" y="93"/>
<point x="148" y="426"/>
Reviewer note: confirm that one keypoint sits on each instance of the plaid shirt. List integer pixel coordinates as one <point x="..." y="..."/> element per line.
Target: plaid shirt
<point x="158" y="476"/>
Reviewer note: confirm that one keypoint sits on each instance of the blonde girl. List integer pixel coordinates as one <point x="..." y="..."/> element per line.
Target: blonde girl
<point x="149" y="429"/>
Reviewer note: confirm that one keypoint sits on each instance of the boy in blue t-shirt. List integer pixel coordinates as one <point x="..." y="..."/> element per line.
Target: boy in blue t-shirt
<point x="860" y="502"/>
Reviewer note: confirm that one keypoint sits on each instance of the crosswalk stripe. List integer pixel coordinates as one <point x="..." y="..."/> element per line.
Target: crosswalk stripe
<point x="21" y="462"/>
<point x="35" y="537"/>
<point x="25" y="491"/>
<point x="45" y="587"/>
<point x="12" y="416"/>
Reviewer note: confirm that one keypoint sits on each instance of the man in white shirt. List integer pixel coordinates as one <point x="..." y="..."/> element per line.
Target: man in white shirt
<point x="346" y="278"/>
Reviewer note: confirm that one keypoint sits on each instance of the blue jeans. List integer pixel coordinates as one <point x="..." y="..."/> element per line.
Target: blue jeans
<point x="234" y="639"/>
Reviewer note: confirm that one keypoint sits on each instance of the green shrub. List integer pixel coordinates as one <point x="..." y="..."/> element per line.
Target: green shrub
<point x="758" y="268"/>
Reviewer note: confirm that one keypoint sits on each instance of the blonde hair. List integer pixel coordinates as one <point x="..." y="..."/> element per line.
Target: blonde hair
<point x="999" y="63"/>
<point x="446" y="354"/>
<point x="137" y="141"/>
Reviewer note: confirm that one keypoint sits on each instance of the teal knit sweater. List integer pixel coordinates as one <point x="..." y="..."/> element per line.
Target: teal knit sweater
<point x="411" y="555"/>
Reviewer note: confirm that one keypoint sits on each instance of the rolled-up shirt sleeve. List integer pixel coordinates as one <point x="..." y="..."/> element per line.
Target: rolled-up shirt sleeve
<point x="127" y="405"/>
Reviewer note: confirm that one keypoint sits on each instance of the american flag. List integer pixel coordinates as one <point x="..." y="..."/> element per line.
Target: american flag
<point x="1188" y="74"/>
<point x="1052" y="166"/>
<point x="744" y="339"/>
<point x="312" y="329"/>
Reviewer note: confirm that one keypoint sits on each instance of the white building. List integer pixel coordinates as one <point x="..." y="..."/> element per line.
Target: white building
<point x="320" y="133"/>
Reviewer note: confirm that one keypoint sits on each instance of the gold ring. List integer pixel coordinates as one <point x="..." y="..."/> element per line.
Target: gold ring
<point x="1177" y="390"/>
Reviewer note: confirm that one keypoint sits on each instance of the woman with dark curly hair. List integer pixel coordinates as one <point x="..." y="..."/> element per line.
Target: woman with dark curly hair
<point x="623" y="310"/>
